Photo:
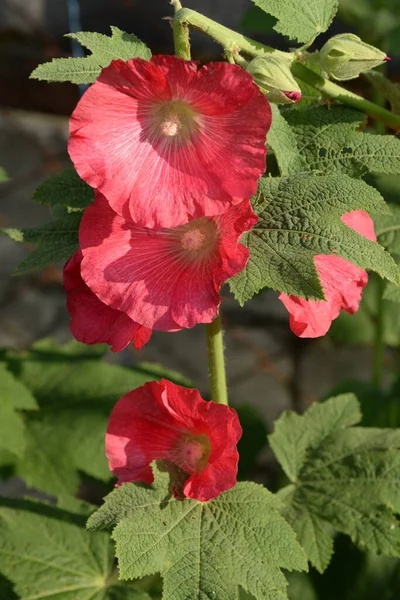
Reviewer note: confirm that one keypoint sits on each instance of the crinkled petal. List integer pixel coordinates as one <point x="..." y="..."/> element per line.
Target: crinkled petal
<point x="148" y="424"/>
<point x="145" y="274"/>
<point x="159" y="182"/>
<point x="342" y="283"/>
<point x="93" y="322"/>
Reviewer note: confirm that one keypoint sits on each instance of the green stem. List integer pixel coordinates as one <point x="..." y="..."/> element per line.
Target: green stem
<point x="229" y="39"/>
<point x="379" y="342"/>
<point x="181" y="33"/>
<point x="224" y="36"/>
<point x="216" y="361"/>
<point x="345" y="97"/>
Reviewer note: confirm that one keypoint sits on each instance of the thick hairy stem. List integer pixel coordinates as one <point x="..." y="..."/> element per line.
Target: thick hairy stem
<point x="216" y="362"/>
<point x="181" y="33"/>
<point x="229" y="39"/>
<point x="332" y="90"/>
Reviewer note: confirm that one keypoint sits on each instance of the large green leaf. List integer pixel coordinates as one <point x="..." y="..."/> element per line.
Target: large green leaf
<point x="343" y="477"/>
<point x="300" y="20"/>
<point x="103" y="50"/>
<point x="202" y="549"/>
<point x="76" y="392"/>
<point x="299" y="218"/>
<point x="46" y="554"/>
<point x="326" y="140"/>
<point x="14" y="396"/>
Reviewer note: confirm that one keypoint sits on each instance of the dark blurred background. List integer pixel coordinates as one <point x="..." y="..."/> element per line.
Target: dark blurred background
<point x="267" y="365"/>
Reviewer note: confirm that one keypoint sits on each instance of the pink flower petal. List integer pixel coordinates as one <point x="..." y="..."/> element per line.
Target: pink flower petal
<point x="166" y="421"/>
<point x="92" y="322"/>
<point x="167" y="142"/>
<point x="165" y="279"/>
<point x="342" y="283"/>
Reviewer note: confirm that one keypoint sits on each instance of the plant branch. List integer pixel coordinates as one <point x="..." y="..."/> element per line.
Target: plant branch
<point x="216" y="361"/>
<point x="345" y="97"/>
<point x="181" y="33"/>
<point x="231" y="39"/>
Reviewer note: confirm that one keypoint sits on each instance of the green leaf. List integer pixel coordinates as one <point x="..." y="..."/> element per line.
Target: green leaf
<point x="46" y="554"/>
<point x="76" y="392"/>
<point x="202" y="549"/>
<point x="103" y="50"/>
<point x="327" y="140"/>
<point x="256" y="20"/>
<point x="65" y="189"/>
<point x="283" y="141"/>
<point x="341" y="476"/>
<point x="14" y="396"/>
<point x="300" y="20"/>
<point x="299" y="217"/>
<point x="58" y="240"/>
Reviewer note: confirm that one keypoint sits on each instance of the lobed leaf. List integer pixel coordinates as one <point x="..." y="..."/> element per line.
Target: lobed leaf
<point x="299" y="218"/>
<point x="300" y="20"/>
<point x="76" y="392"/>
<point x="326" y="140"/>
<point x="103" y="50"/>
<point x="202" y="549"/>
<point x="341" y="476"/>
<point x="46" y="554"/>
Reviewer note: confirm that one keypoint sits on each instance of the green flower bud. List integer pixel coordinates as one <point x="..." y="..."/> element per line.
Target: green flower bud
<point x="273" y="76"/>
<point x="345" y="56"/>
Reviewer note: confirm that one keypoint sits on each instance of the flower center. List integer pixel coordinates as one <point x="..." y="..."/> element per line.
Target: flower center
<point x="193" y="452"/>
<point x="198" y="238"/>
<point x="171" y="125"/>
<point x="194" y="239"/>
<point x="174" y="120"/>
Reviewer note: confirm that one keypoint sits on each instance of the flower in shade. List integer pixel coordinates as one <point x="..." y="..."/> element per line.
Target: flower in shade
<point x="167" y="142"/>
<point x="161" y="420"/>
<point x="165" y="279"/>
<point x="93" y="322"/>
<point x="341" y="281"/>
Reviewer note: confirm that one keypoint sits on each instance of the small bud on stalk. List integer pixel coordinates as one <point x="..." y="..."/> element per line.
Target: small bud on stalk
<point x="273" y="77"/>
<point x="345" y="56"/>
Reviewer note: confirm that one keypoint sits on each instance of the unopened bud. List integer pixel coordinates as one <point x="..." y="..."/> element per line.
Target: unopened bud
<point x="275" y="80"/>
<point x="345" y="56"/>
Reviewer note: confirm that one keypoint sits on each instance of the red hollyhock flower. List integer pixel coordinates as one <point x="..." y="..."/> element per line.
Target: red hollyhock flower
<point x="342" y="283"/>
<point x="93" y="322"/>
<point x="165" y="279"/>
<point x="161" y="420"/>
<point x="166" y="141"/>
